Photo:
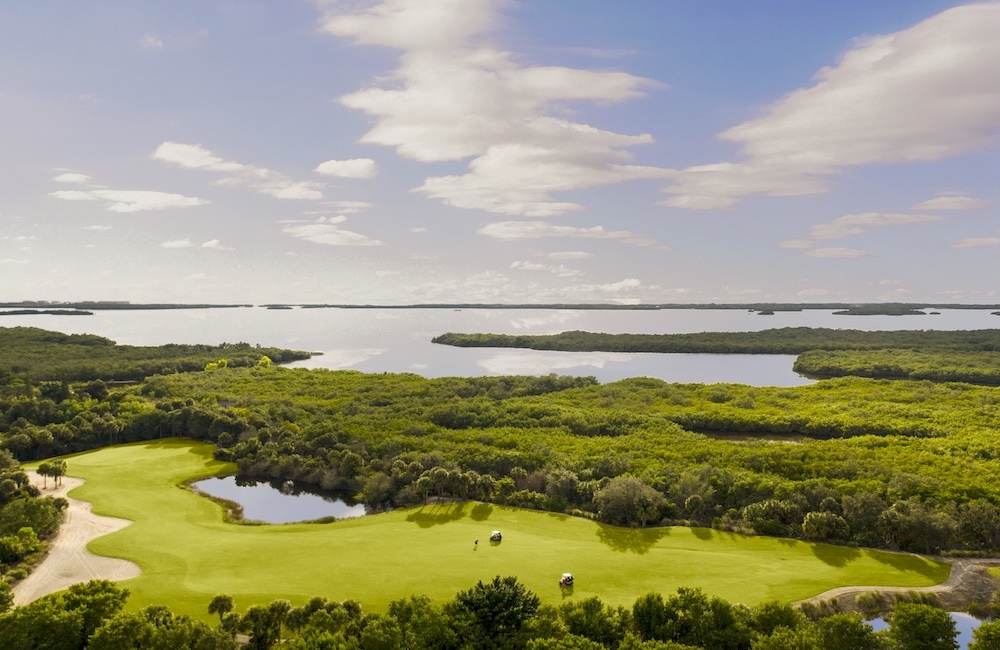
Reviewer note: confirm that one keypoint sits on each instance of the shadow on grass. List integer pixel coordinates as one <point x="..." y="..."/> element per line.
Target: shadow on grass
<point x="438" y="514"/>
<point x="835" y="556"/>
<point x="906" y="562"/>
<point x="481" y="512"/>
<point x="636" y="540"/>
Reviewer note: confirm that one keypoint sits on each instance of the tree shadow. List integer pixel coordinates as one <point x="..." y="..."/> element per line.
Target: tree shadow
<point x="481" y="512"/>
<point x="437" y="514"/>
<point x="835" y="556"/>
<point x="636" y="540"/>
<point x="926" y="567"/>
<point x="704" y="534"/>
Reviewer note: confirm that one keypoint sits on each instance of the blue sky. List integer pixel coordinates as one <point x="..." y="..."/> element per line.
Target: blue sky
<point x="409" y="151"/>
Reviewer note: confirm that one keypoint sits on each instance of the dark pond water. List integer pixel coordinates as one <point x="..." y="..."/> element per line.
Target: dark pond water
<point x="277" y="503"/>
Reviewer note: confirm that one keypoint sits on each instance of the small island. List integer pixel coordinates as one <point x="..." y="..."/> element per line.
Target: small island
<point x="49" y="312"/>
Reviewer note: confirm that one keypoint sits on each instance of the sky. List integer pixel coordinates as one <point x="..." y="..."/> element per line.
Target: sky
<point x="500" y="151"/>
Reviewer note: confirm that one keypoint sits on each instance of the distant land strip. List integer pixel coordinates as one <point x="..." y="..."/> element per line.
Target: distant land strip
<point x="888" y="309"/>
<point x="49" y="312"/>
<point x="103" y="305"/>
<point x="788" y="340"/>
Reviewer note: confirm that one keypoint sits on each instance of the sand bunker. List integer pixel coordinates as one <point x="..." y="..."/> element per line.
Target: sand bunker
<point x="68" y="561"/>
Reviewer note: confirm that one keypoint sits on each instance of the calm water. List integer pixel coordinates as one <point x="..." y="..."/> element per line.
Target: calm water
<point x="264" y="502"/>
<point x="963" y="622"/>
<point x="398" y="340"/>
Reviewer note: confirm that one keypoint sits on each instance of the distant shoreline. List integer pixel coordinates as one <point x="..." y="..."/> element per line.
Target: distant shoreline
<point x="842" y="308"/>
<point x="49" y="312"/>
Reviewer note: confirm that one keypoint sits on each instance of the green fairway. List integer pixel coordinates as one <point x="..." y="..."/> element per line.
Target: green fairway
<point x="188" y="554"/>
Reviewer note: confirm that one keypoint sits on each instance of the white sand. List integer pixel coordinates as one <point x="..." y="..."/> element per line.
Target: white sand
<point x="68" y="561"/>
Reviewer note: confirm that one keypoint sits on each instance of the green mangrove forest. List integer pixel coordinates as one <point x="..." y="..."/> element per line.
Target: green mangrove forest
<point x="899" y="464"/>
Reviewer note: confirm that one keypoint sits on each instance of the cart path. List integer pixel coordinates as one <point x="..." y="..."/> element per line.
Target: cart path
<point x="68" y="561"/>
<point x="967" y="582"/>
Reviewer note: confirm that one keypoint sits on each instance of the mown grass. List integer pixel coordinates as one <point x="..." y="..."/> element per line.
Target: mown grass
<point x="188" y="553"/>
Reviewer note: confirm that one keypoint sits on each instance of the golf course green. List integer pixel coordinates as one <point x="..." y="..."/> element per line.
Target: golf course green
<point x="188" y="553"/>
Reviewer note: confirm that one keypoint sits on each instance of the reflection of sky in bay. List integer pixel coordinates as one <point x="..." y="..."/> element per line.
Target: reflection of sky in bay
<point x="532" y="362"/>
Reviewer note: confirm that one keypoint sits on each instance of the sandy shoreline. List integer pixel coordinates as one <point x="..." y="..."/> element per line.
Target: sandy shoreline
<point x="68" y="561"/>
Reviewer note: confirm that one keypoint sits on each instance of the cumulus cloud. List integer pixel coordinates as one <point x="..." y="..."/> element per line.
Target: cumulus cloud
<point x="977" y="242"/>
<point x="349" y="207"/>
<point x="858" y="224"/>
<point x="130" y="200"/>
<point x="514" y="230"/>
<point x="952" y="201"/>
<point x="328" y="231"/>
<point x="152" y="42"/>
<point x="850" y="225"/>
<point x="259" y="179"/>
<point x="560" y="270"/>
<point x="922" y="94"/>
<point x="453" y="98"/>
<point x="71" y="177"/>
<point x="359" y="168"/>
<point x="177" y="243"/>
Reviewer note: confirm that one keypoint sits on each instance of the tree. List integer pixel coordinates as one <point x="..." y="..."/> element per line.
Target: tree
<point x="628" y="500"/>
<point x="986" y="637"/>
<point x="915" y="626"/>
<point x="495" y="612"/>
<point x="847" y="631"/>
<point x="221" y="604"/>
<point x="825" y="527"/>
<point x="45" y="471"/>
<point x="649" y="614"/>
<point x="259" y="623"/>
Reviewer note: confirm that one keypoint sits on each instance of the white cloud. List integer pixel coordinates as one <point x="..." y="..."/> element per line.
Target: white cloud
<point x="922" y="94"/>
<point x="837" y="253"/>
<point x="569" y="255"/>
<point x="453" y="98"/>
<point x="561" y="270"/>
<point x="850" y="225"/>
<point x="177" y="243"/>
<point x="259" y="179"/>
<point x="359" y="168"/>
<point x="71" y="177"/>
<point x="349" y="207"/>
<point x="952" y="201"/>
<point x="857" y="224"/>
<point x="328" y="231"/>
<point x="514" y="230"/>
<point x="628" y="284"/>
<point x="152" y="42"/>
<point x="97" y="228"/>
<point x="977" y="242"/>
<point x="416" y="229"/>
<point x="131" y="200"/>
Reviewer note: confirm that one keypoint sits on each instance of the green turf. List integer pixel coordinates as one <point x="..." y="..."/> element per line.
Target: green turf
<point x="188" y="554"/>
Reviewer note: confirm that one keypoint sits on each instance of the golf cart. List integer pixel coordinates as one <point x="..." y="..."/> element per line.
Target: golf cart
<point x="566" y="580"/>
<point x="495" y="536"/>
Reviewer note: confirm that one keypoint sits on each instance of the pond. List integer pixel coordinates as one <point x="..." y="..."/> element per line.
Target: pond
<point x="277" y="503"/>
<point x="964" y="623"/>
